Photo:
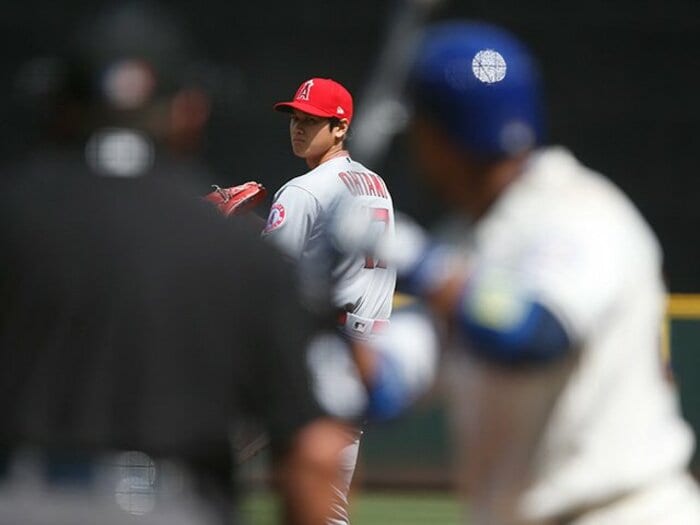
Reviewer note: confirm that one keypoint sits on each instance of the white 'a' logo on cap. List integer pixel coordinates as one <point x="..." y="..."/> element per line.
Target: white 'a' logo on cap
<point x="305" y="90"/>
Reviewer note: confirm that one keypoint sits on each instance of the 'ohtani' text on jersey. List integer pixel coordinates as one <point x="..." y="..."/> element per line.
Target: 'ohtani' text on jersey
<point x="361" y="183"/>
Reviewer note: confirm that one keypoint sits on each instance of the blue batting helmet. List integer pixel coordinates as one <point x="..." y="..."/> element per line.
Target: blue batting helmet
<point x="481" y="85"/>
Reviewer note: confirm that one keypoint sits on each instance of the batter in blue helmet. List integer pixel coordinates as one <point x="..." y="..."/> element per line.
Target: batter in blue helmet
<point x="483" y="88"/>
<point x="549" y="281"/>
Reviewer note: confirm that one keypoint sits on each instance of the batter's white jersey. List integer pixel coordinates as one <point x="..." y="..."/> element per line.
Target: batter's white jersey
<point x="604" y="423"/>
<point x="301" y="215"/>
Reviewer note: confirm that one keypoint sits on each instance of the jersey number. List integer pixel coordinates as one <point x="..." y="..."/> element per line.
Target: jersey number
<point x="381" y="216"/>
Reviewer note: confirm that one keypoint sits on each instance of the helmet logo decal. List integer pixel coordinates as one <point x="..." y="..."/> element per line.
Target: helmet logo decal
<point x="489" y="66"/>
<point x="305" y="90"/>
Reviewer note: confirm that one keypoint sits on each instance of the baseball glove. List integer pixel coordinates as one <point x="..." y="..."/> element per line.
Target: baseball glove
<point x="237" y="199"/>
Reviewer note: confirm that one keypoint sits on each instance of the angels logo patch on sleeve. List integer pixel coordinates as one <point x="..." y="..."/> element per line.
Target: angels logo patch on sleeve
<point x="276" y="218"/>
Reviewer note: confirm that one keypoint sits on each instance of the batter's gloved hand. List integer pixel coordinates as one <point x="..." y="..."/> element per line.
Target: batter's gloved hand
<point x="236" y="200"/>
<point x="421" y="264"/>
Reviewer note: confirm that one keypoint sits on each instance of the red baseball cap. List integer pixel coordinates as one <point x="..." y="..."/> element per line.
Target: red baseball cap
<point x="322" y="97"/>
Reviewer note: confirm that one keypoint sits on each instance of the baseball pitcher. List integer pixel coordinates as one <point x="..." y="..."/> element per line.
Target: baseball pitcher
<point x="320" y="115"/>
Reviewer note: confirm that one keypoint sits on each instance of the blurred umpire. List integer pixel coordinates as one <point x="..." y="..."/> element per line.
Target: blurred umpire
<point x="135" y="323"/>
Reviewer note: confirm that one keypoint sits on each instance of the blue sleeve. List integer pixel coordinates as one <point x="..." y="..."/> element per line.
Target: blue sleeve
<point x="389" y="394"/>
<point x="530" y="333"/>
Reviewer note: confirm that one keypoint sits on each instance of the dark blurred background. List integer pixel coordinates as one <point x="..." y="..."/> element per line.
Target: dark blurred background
<point x="622" y="84"/>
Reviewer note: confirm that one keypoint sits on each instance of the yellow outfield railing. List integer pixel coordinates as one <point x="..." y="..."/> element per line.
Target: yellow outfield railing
<point x="402" y="299"/>
<point x="678" y="306"/>
<point x="683" y="306"/>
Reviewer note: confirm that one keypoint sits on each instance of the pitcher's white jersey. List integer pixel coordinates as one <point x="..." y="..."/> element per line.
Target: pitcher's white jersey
<point x="603" y="423"/>
<point x="298" y="223"/>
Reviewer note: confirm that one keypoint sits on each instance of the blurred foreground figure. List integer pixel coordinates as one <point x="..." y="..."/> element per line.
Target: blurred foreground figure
<point x="549" y="282"/>
<point x="134" y="318"/>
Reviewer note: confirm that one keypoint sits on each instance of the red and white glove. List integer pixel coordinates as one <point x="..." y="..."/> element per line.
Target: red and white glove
<point x="236" y="200"/>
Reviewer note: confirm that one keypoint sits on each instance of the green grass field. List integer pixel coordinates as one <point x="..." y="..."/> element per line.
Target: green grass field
<point x="373" y="508"/>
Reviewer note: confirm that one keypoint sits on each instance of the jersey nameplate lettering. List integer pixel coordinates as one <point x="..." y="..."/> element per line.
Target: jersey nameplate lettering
<point x="361" y="183"/>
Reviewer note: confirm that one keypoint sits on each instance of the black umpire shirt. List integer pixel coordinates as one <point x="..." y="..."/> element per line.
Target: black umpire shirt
<point x="132" y="316"/>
